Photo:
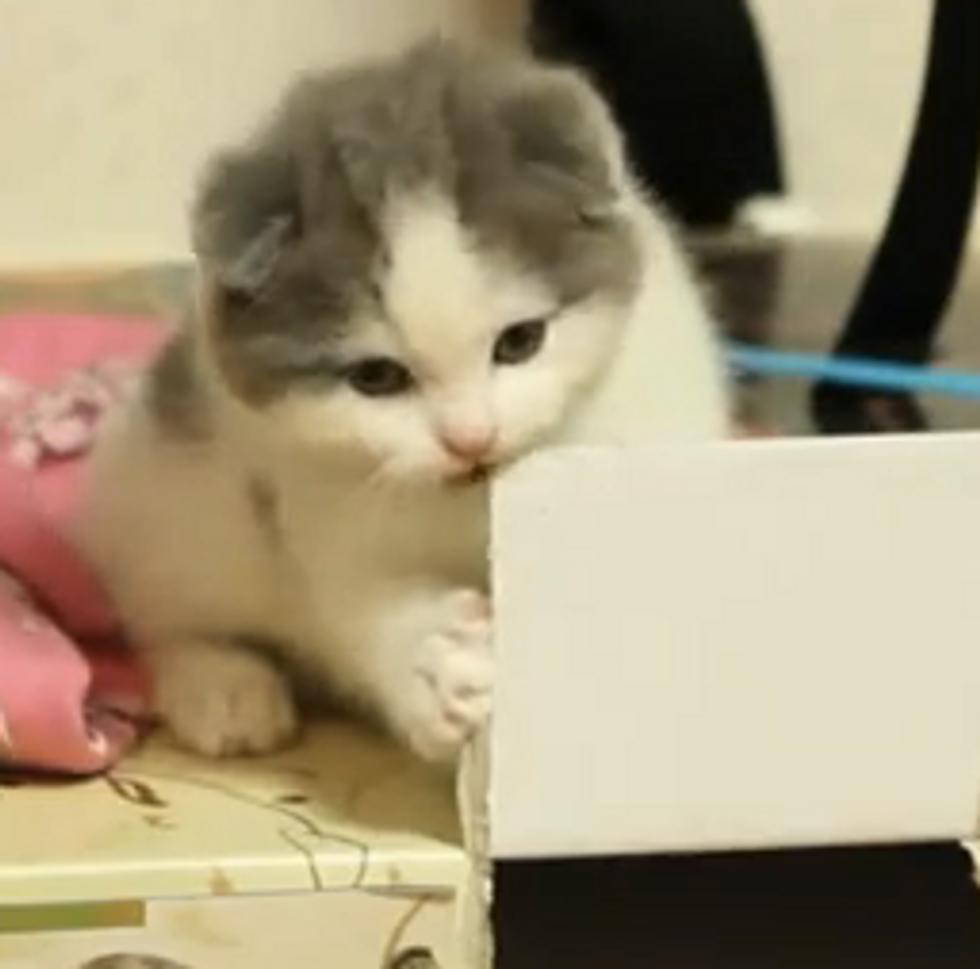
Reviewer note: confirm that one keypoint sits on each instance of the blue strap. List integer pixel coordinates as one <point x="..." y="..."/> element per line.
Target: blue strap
<point x="894" y="377"/>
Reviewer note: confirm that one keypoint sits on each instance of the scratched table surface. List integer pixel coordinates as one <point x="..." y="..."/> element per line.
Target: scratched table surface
<point x="342" y="810"/>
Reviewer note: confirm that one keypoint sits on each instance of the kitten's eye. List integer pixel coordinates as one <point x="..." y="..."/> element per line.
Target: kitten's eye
<point x="520" y="342"/>
<point x="379" y="377"/>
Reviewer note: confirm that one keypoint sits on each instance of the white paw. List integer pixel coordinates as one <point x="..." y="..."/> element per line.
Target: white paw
<point x="452" y="679"/>
<point x="224" y="702"/>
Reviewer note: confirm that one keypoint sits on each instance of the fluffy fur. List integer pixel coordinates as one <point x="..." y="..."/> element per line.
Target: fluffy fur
<point x="279" y="515"/>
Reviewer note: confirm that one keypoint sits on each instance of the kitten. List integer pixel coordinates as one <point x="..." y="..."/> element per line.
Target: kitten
<point x="417" y="272"/>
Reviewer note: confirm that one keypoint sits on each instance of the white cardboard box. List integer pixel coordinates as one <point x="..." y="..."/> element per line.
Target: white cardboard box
<point x="738" y="645"/>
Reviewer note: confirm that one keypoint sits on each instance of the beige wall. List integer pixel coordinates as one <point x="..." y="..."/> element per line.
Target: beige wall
<point x="848" y="76"/>
<point x="107" y="107"/>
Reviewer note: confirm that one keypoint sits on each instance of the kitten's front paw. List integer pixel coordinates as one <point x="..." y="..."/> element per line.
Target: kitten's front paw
<point x="223" y="701"/>
<point x="453" y="679"/>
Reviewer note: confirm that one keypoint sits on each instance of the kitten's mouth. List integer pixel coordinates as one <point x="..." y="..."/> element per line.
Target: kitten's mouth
<point x="472" y="476"/>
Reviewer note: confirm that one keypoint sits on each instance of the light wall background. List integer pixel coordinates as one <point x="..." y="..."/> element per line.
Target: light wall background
<point x="107" y="107"/>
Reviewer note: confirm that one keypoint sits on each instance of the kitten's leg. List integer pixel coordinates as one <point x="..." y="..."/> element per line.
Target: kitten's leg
<point x="432" y="671"/>
<point x="221" y="699"/>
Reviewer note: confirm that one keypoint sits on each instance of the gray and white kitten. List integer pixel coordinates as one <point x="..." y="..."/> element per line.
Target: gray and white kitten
<point x="415" y="273"/>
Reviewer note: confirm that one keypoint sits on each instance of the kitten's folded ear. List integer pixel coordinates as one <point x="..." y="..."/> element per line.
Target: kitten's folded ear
<point x="245" y="215"/>
<point x="560" y="123"/>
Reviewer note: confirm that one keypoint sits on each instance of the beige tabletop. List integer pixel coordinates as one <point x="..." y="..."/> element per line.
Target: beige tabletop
<point x="340" y="811"/>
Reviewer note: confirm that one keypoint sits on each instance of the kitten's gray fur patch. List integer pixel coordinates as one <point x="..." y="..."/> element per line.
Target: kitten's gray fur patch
<point x="175" y="395"/>
<point x="522" y="150"/>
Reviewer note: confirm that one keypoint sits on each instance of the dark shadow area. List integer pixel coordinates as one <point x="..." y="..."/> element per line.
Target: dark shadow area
<point x="881" y="908"/>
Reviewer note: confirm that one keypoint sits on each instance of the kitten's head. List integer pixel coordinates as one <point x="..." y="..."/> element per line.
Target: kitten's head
<point x="420" y="266"/>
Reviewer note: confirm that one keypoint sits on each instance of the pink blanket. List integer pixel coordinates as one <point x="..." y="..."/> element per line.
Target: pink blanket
<point x="70" y="696"/>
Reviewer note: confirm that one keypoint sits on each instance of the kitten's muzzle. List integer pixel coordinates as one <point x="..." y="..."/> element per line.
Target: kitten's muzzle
<point x="469" y="444"/>
<point x="470" y="450"/>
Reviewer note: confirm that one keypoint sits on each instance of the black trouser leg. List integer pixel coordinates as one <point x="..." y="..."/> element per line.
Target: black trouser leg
<point x="687" y="80"/>
<point x="901" y="304"/>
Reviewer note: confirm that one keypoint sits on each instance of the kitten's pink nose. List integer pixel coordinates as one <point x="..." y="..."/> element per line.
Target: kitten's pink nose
<point x="471" y="443"/>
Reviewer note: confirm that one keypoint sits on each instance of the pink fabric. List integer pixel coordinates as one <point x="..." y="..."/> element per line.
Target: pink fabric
<point x="70" y="696"/>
